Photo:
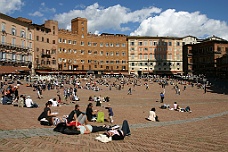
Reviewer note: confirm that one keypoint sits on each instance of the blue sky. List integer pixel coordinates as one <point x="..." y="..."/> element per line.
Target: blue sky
<point x="200" y="18"/>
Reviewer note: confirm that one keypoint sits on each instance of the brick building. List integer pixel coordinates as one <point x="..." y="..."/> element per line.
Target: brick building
<point x="45" y="47"/>
<point x="222" y="66"/>
<point x="81" y="52"/>
<point x="203" y="56"/>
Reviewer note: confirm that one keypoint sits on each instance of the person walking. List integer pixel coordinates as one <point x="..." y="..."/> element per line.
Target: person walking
<point x="162" y="96"/>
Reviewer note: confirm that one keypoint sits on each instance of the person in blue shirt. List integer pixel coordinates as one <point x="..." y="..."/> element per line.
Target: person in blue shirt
<point x="110" y="113"/>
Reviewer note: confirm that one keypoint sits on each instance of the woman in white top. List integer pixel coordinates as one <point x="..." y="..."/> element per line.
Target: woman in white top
<point x="152" y="115"/>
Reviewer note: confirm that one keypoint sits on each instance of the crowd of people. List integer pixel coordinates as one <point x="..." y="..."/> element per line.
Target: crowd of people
<point x="78" y="120"/>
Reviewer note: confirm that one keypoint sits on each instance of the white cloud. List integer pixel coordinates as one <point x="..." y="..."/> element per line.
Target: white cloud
<point x="172" y="23"/>
<point x="36" y="13"/>
<point x="7" y="6"/>
<point x="152" y="21"/>
<point x="102" y="19"/>
<point x="43" y="8"/>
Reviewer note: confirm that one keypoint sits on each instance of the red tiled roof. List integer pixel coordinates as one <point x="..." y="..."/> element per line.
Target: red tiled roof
<point x="12" y="69"/>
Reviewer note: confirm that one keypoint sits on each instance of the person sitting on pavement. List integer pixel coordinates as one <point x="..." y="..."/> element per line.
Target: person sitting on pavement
<point x="76" y="117"/>
<point x="29" y="103"/>
<point x="90" y="113"/>
<point x="152" y="115"/>
<point x="48" y="114"/>
<point x="175" y="107"/>
<point x="54" y="102"/>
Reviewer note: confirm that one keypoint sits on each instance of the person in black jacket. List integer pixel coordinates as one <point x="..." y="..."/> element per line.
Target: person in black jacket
<point x="90" y="113"/>
<point x="76" y="116"/>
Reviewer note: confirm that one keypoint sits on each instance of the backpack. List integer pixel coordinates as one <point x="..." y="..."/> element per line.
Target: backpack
<point x="100" y="117"/>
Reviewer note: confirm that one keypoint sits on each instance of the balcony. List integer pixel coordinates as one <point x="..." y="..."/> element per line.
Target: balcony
<point x="45" y="56"/>
<point x="17" y="48"/>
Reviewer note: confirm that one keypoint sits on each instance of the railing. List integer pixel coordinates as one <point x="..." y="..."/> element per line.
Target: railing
<point x="14" y="60"/>
<point x="14" y="46"/>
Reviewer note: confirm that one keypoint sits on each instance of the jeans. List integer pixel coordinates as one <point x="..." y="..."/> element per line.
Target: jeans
<point x="125" y="128"/>
<point x="82" y="118"/>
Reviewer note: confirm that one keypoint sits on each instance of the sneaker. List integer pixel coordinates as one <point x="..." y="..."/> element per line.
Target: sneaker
<point x="128" y="134"/>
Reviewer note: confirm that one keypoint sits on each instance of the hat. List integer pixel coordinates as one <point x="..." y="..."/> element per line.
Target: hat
<point x="28" y="97"/>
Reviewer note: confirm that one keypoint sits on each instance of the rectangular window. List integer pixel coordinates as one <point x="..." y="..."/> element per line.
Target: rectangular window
<point x="132" y="43"/>
<point x="3" y="27"/>
<point x="13" y="41"/>
<point x="23" y="33"/>
<point x="60" y="40"/>
<point x="145" y="43"/>
<point x="30" y="36"/>
<point x="13" y="31"/>
<point x="140" y="43"/>
<point x="22" y="44"/>
<point x="3" y="39"/>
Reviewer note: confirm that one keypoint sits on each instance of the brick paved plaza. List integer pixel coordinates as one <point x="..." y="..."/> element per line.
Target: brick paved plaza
<point x="205" y="129"/>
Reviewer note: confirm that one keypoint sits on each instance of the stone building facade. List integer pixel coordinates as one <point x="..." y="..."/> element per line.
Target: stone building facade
<point x="155" y="55"/>
<point x="16" y="45"/>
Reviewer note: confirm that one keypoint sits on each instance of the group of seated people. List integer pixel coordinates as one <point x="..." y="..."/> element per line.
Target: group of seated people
<point x="176" y="107"/>
<point x="153" y="117"/>
<point x="20" y="101"/>
<point x="99" y="98"/>
<point x="78" y="122"/>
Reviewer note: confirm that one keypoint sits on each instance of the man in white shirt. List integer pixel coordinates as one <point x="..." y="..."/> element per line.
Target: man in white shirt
<point x="29" y="103"/>
<point x="54" y="102"/>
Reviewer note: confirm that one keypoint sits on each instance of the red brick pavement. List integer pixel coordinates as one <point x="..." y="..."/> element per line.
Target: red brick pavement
<point x="205" y="135"/>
